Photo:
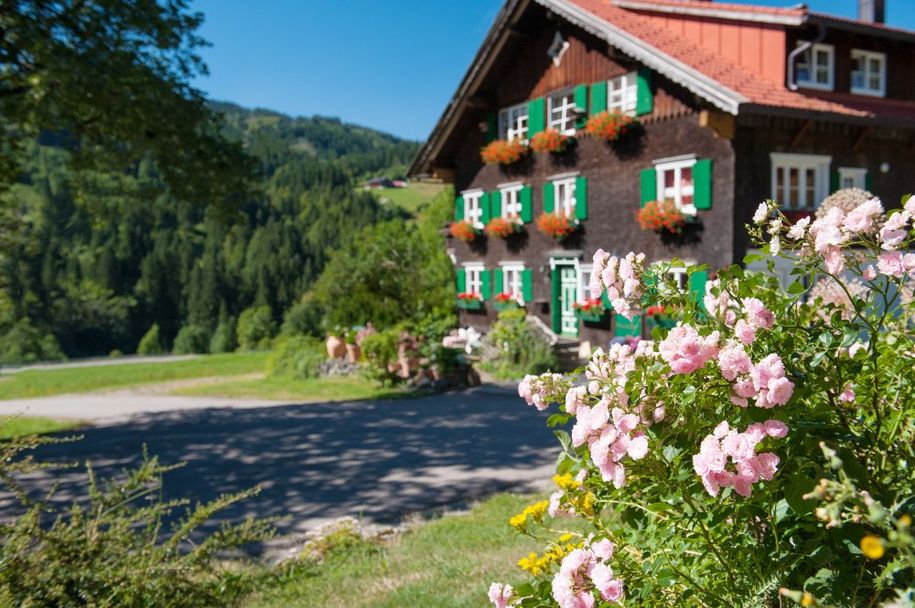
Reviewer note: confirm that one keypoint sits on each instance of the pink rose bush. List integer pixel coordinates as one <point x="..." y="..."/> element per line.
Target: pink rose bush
<point x="756" y="453"/>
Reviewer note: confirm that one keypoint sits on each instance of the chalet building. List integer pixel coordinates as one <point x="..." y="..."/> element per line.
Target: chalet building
<point x="734" y="104"/>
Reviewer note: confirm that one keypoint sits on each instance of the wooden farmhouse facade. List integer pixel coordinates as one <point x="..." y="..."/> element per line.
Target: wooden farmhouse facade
<point x="734" y="104"/>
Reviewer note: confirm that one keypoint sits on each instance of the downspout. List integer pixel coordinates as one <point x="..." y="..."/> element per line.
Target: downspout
<point x="804" y="47"/>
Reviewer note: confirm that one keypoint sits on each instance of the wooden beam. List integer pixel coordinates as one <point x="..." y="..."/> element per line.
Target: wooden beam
<point x="720" y="122"/>
<point x="801" y="132"/>
<point x="479" y="102"/>
<point x="860" y="141"/>
<point x="446" y="174"/>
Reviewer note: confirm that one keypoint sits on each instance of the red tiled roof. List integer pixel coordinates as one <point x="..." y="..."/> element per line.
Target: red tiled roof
<point x="736" y="8"/>
<point x="754" y="87"/>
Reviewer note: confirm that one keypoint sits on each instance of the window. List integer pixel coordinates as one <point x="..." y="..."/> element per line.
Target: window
<point x="561" y="112"/>
<point x="675" y="182"/>
<point x="512" y="281"/>
<point x="473" y="207"/>
<point x="850" y="177"/>
<point x="679" y="276"/>
<point x="564" y="196"/>
<point x="511" y="201"/>
<point x="815" y="67"/>
<point x="800" y="181"/>
<point x="622" y="94"/>
<point x="513" y="122"/>
<point x="584" y="282"/>
<point x="868" y="73"/>
<point x="473" y="279"/>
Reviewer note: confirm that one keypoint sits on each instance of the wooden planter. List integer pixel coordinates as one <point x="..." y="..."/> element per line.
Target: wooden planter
<point x="591" y="317"/>
<point x="470" y="304"/>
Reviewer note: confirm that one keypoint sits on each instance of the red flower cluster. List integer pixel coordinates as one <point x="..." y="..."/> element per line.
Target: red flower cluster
<point x="464" y="231"/>
<point x="469" y="295"/>
<point x="556" y="226"/>
<point x="592" y="305"/>
<point x="503" y="152"/>
<point x="660" y="216"/>
<point x="655" y="310"/>
<point x="505" y="298"/>
<point x="550" y="140"/>
<point x="607" y="126"/>
<point x="500" y="227"/>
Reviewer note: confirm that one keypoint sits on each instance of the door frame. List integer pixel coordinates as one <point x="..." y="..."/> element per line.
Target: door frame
<point x="556" y="262"/>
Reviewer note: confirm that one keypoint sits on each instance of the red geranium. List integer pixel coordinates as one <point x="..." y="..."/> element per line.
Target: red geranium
<point x="556" y="226"/>
<point x="464" y="231"/>
<point x="503" y="152"/>
<point x="469" y="295"/>
<point x="608" y="126"/>
<point x="501" y="227"/>
<point x="655" y="310"/>
<point x="661" y="216"/>
<point x="505" y="298"/>
<point x="550" y="140"/>
<point x="592" y="305"/>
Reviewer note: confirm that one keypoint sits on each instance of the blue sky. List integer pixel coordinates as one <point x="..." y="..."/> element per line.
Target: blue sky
<point x="391" y="65"/>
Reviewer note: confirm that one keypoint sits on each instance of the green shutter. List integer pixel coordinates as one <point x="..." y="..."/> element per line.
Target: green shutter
<point x="492" y="126"/>
<point x="495" y="204"/>
<point x="497" y="282"/>
<point x="536" y="116"/>
<point x="702" y="184"/>
<point x="868" y="182"/>
<point x="598" y="97"/>
<point x="459" y="209"/>
<point x="581" y="197"/>
<point x="461" y="279"/>
<point x="548" y="197"/>
<point x="645" y="101"/>
<point x="697" y="282"/>
<point x="649" y="186"/>
<point x="486" y="288"/>
<point x="833" y="181"/>
<point x="624" y="328"/>
<point x="527" y="206"/>
<point x="484" y="208"/>
<point x="555" y="309"/>
<point x="580" y="95"/>
<point x="527" y="285"/>
<point x="604" y="299"/>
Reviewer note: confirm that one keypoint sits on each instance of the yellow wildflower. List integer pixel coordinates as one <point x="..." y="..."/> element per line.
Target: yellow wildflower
<point x="905" y="521"/>
<point x="586" y="504"/>
<point x="518" y="521"/>
<point x="566" y="482"/>
<point x="872" y="546"/>
<point x="807" y="600"/>
<point x="537" y="510"/>
<point x="530" y="564"/>
<point x="564" y="538"/>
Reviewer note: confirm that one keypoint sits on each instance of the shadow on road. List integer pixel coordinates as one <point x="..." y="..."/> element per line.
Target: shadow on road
<point x="316" y="462"/>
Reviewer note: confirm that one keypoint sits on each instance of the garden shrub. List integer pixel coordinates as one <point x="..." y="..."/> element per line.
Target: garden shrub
<point x="223" y="339"/>
<point x="151" y="343"/>
<point x="514" y="347"/>
<point x="380" y="350"/>
<point x="760" y="452"/>
<point x="303" y="319"/>
<point x="25" y="343"/>
<point x="255" y="328"/>
<point x="297" y="357"/>
<point x="191" y="339"/>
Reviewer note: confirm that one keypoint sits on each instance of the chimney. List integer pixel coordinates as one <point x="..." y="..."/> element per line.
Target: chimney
<point x="871" y="11"/>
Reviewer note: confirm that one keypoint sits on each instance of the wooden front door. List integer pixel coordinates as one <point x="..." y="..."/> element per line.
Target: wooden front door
<point x="568" y="295"/>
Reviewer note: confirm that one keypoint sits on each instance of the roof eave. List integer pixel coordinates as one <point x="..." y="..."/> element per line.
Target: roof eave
<point x="869" y="121"/>
<point x="713" y="12"/>
<point x="861" y="27"/>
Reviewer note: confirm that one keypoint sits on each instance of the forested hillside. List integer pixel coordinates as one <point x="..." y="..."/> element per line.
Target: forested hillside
<point x="93" y="260"/>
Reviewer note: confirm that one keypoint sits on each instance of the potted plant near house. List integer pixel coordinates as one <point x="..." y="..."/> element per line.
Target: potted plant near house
<point x="591" y="310"/>
<point x="464" y="231"/>
<point x="551" y="141"/>
<point x="661" y="216"/>
<point x="353" y="351"/>
<point x="502" y="227"/>
<point x="502" y="152"/>
<point x="557" y="226"/>
<point x="469" y="301"/>
<point x="609" y="126"/>
<point x="336" y="347"/>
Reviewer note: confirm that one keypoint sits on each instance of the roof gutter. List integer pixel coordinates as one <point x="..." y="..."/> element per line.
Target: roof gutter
<point x="712" y="11"/>
<point x="803" y="48"/>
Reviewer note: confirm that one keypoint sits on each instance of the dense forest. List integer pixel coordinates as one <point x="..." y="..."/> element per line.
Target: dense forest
<point x="93" y="259"/>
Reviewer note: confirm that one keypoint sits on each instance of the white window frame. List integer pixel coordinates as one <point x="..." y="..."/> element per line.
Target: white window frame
<point x="565" y="196"/>
<point x="510" y="197"/>
<point x="856" y="175"/>
<point x="819" y="163"/>
<point x="680" y="276"/>
<point x="512" y="280"/>
<point x="565" y="121"/>
<point x="584" y="282"/>
<point x="867" y="57"/>
<point x="678" y="191"/>
<point x="473" y="208"/>
<point x="473" y="278"/>
<point x="808" y="58"/>
<point x="623" y="94"/>
<point x="514" y="123"/>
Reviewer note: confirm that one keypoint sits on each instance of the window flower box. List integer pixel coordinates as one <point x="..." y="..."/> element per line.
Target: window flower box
<point x="591" y="311"/>
<point x="502" y="228"/>
<point x="551" y="141"/>
<point x="464" y="231"/>
<point x="660" y="317"/>
<point x="469" y="301"/>
<point x="661" y="216"/>
<point x="501" y="152"/>
<point x="505" y="301"/>
<point x="557" y="226"/>
<point x="609" y="126"/>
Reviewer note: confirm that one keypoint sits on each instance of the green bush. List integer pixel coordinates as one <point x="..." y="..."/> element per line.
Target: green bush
<point x="25" y="343"/>
<point x="380" y="350"/>
<point x="191" y="339"/>
<point x="255" y="328"/>
<point x="115" y="552"/>
<point x="223" y="340"/>
<point x="303" y="319"/>
<point x="297" y="357"/>
<point x="514" y="347"/>
<point x="151" y="343"/>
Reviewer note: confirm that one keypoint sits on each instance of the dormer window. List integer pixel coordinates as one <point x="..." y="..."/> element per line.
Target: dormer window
<point x="868" y="73"/>
<point x="561" y="111"/>
<point x="513" y="123"/>
<point x="815" y="67"/>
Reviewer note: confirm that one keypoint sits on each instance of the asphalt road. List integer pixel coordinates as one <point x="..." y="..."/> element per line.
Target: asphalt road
<point x="379" y="460"/>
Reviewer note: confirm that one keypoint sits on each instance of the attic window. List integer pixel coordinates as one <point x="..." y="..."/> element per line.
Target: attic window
<point x="557" y="49"/>
<point x="868" y="74"/>
<point x="815" y="67"/>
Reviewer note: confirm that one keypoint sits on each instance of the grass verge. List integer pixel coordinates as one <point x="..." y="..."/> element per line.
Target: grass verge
<point x="311" y="390"/>
<point x="446" y="563"/>
<point x="18" y="426"/>
<point x="43" y="383"/>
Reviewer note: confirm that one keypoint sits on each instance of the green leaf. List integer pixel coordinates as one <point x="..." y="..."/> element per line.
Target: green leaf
<point x="798" y="485"/>
<point x="796" y="288"/>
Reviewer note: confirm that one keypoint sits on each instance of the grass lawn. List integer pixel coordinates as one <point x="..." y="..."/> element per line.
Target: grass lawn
<point x="299" y="390"/>
<point x="18" y="426"/>
<point x="411" y="198"/>
<point x="449" y="562"/>
<point x="41" y="383"/>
